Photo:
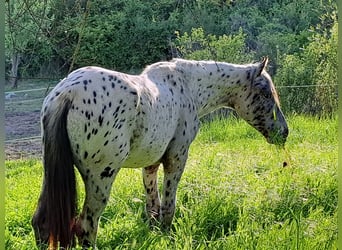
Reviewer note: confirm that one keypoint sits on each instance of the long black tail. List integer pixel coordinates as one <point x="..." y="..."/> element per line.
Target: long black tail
<point x="59" y="177"/>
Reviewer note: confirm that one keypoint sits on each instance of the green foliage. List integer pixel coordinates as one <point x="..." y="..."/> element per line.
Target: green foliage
<point x="316" y="65"/>
<point x="234" y="194"/>
<point x="124" y="39"/>
<point x="324" y="48"/>
<point x="198" y="46"/>
<point x="130" y="34"/>
<point x="26" y="25"/>
<point x="54" y="37"/>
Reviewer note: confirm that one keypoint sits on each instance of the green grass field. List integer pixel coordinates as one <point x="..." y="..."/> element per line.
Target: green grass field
<point x="234" y="194"/>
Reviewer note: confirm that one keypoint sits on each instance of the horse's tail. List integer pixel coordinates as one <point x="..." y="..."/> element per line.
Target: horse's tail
<point x="59" y="176"/>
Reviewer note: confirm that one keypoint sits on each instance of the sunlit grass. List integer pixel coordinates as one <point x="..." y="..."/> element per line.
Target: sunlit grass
<point x="234" y="194"/>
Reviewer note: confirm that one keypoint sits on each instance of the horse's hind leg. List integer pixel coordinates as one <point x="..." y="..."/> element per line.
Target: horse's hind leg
<point x="151" y="190"/>
<point x="97" y="186"/>
<point x="173" y="170"/>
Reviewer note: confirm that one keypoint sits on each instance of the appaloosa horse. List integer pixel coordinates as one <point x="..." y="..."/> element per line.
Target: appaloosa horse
<point x="100" y="121"/>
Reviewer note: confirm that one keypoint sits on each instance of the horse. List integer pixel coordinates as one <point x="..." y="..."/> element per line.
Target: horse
<point x="99" y="121"/>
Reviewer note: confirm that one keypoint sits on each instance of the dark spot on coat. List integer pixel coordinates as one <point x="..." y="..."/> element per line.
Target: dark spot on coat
<point x="107" y="172"/>
<point x="248" y="74"/>
<point x="100" y="120"/>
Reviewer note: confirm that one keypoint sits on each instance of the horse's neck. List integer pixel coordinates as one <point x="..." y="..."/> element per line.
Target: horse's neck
<point x="213" y="85"/>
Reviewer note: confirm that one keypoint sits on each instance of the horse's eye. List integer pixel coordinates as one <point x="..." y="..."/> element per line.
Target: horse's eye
<point x="266" y="95"/>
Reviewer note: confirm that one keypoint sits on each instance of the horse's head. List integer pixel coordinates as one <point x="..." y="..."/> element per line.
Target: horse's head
<point x="258" y="104"/>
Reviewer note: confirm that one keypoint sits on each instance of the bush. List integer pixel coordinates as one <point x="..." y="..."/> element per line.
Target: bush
<point x="316" y="66"/>
<point x="198" y="46"/>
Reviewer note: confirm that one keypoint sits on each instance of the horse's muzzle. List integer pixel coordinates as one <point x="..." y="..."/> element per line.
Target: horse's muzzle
<point x="279" y="136"/>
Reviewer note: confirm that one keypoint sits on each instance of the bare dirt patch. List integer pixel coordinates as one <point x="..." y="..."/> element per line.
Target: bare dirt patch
<point x="22" y="135"/>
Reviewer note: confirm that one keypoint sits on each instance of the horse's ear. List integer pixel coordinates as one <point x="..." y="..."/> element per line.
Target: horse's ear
<point x="261" y="66"/>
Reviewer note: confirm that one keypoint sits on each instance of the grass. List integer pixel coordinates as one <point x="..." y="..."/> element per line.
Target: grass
<point x="32" y="84"/>
<point x="234" y="194"/>
<point x="23" y="99"/>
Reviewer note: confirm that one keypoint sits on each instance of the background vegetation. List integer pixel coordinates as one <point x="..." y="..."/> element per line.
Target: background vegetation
<point x="52" y="37"/>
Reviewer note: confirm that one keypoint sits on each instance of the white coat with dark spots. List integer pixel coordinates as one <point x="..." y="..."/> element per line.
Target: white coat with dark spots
<point x="100" y="121"/>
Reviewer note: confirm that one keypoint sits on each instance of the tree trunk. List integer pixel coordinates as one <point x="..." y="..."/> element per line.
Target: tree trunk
<point x="16" y="57"/>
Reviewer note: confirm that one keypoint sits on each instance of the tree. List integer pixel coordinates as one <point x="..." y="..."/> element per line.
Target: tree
<point x="54" y="37"/>
<point x="315" y="65"/>
<point x="198" y="46"/>
<point x="25" y="27"/>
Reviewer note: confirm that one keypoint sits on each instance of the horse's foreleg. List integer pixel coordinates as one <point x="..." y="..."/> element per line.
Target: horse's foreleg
<point x="151" y="190"/>
<point x="173" y="171"/>
<point x="97" y="186"/>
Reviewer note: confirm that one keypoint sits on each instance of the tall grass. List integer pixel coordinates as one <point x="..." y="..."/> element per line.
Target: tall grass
<point x="234" y="194"/>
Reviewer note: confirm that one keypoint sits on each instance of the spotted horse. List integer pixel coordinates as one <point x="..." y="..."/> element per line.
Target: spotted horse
<point x="100" y="121"/>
